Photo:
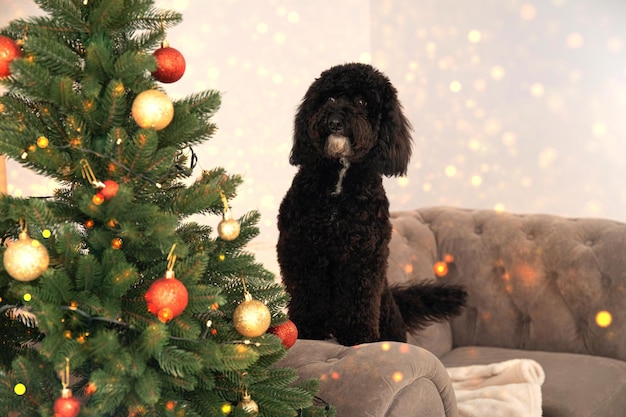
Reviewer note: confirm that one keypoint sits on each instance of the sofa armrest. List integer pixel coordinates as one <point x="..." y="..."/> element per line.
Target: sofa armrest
<point x="384" y="379"/>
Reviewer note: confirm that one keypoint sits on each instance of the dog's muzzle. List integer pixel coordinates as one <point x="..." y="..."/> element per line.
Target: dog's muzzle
<point x="338" y="146"/>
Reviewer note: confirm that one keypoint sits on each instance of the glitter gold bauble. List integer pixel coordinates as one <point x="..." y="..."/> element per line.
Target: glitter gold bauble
<point x="248" y="405"/>
<point x="228" y="228"/>
<point x="153" y="109"/>
<point x="26" y="259"/>
<point x="251" y="318"/>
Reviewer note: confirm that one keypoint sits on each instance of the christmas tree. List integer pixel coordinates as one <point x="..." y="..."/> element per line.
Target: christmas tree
<point x="113" y="301"/>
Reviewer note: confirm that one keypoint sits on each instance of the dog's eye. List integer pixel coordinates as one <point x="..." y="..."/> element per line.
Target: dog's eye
<point x="361" y="102"/>
<point x="331" y="99"/>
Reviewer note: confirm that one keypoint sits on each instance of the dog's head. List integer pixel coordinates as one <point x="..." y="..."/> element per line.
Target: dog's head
<point x="352" y="111"/>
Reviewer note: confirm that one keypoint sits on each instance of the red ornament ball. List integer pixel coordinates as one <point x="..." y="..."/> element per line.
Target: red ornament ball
<point x="66" y="405"/>
<point x="170" y="64"/>
<point x="287" y="332"/>
<point x="110" y="189"/>
<point x="9" y="50"/>
<point x="167" y="297"/>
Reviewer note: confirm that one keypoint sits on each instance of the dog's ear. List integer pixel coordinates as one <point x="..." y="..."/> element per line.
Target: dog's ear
<point x="302" y="151"/>
<point x="393" y="150"/>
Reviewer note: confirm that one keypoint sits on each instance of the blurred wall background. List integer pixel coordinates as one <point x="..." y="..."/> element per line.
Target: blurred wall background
<point x="516" y="105"/>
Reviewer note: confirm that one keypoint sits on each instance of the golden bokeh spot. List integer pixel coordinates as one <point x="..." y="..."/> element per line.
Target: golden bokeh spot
<point x="117" y="243"/>
<point x="448" y="258"/>
<point x="440" y="268"/>
<point x="528" y="12"/>
<point x="455" y="86"/>
<point x="497" y="72"/>
<point x="19" y="389"/>
<point x="97" y="199"/>
<point x="397" y="376"/>
<point x="334" y="375"/>
<point x="604" y="319"/>
<point x="67" y="334"/>
<point x="474" y="36"/>
<point x="227" y="408"/>
<point x="404" y="348"/>
<point x="574" y="40"/>
<point x="408" y="268"/>
<point x="46" y="233"/>
<point x="385" y="346"/>
<point x="221" y="257"/>
<point x="42" y="142"/>
<point x="27" y="297"/>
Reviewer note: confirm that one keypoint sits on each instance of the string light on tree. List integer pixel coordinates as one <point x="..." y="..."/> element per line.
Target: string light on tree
<point x="167" y="297"/>
<point x="26" y="259"/>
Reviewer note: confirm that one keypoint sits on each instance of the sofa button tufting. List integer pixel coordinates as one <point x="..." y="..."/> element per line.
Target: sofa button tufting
<point x="589" y="243"/>
<point x="478" y="230"/>
<point x="530" y="236"/>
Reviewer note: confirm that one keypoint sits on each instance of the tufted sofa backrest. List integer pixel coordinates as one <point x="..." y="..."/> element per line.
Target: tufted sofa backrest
<point x="537" y="282"/>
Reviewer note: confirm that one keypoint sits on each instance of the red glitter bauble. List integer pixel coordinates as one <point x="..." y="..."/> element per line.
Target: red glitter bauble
<point x="287" y="332"/>
<point x="167" y="297"/>
<point x="110" y="189"/>
<point x="9" y="50"/>
<point x="66" y="405"/>
<point x="170" y="64"/>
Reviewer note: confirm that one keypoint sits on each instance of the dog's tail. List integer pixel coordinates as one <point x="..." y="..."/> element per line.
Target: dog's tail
<point x="426" y="302"/>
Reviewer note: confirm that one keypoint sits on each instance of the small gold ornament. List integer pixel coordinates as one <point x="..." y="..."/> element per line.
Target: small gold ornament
<point x="152" y="108"/>
<point x="26" y="259"/>
<point x="251" y="318"/>
<point x="228" y="228"/>
<point x="248" y="405"/>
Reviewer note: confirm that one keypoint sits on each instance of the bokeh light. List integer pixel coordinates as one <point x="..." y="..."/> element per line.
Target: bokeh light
<point x="441" y="269"/>
<point x="19" y="389"/>
<point x="604" y="319"/>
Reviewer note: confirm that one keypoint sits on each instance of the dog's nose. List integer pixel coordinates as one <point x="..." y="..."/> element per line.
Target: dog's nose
<point x="335" y="123"/>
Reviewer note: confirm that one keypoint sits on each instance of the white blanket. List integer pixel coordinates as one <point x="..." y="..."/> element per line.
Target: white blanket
<point x="506" y="389"/>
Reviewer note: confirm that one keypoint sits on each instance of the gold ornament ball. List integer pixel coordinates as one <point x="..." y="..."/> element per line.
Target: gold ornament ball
<point x="228" y="228"/>
<point x="251" y="318"/>
<point x="26" y="259"/>
<point x="152" y="108"/>
<point x="248" y="405"/>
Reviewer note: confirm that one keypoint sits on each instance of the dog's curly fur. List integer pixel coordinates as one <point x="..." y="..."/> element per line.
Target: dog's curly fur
<point x="333" y="223"/>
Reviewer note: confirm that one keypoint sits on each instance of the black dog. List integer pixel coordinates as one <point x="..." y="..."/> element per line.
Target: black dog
<point x="334" y="220"/>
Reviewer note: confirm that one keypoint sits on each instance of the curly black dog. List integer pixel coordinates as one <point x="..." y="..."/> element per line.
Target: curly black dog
<point x="333" y="223"/>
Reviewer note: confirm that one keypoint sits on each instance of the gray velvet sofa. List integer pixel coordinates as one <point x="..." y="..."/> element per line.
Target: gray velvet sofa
<point x="536" y="284"/>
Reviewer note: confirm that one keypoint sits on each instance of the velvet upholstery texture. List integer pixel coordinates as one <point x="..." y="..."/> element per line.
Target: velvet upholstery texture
<point x="383" y="379"/>
<point x="536" y="284"/>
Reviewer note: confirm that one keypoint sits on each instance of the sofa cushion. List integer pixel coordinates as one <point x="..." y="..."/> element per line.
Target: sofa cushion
<point x="384" y="379"/>
<point x="412" y="255"/>
<point x="575" y="385"/>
